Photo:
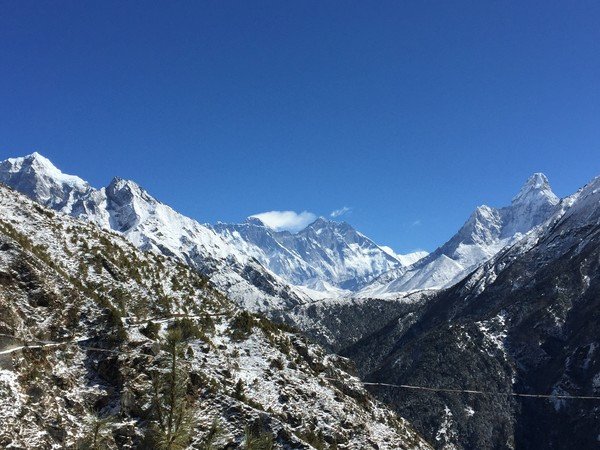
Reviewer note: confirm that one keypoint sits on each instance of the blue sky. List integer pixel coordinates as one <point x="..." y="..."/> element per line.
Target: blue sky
<point x="408" y="113"/>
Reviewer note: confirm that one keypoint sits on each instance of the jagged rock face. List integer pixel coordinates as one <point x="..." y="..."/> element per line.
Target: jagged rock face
<point x="125" y="207"/>
<point x="527" y="321"/>
<point x="486" y="232"/>
<point x="37" y="178"/>
<point x="326" y="259"/>
<point x="326" y="256"/>
<point x="90" y="297"/>
<point x="126" y="202"/>
<point x="532" y="206"/>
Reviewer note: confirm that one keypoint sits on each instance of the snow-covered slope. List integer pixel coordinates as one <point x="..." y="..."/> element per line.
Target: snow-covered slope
<point x="36" y="177"/>
<point x="406" y="259"/>
<point x="88" y="322"/>
<point x="525" y="321"/>
<point x="327" y="256"/>
<point x="485" y="233"/>
<point x="125" y="207"/>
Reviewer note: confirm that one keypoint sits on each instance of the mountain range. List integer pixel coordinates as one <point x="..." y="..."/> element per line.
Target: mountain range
<point x="326" y="258"/>
<point x="525" y="322"/>
<point x="124" y="207"/>
<point x="495" y="332"/>
<point x="264" y="269"/>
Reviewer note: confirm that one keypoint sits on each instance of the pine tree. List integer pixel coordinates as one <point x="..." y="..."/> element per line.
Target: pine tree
<point x="98" y="434"/>
<point x="239" y="390"/>
<point x="215" y="431"/>
<point x="172" y="408"/>
<point x="257" y="440"/>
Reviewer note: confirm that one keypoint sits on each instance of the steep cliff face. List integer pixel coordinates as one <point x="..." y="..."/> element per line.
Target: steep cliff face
<point x="84" y="323"/>
<point x="484" y="234"/>
<point x="527" y="321"/>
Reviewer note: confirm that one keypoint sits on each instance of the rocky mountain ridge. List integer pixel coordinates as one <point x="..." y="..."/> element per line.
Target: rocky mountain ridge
<point x="125" y="207"/>
<point x="487" y="231"/>
<point x="85" y="331"/>
<point x="526" y="321"/>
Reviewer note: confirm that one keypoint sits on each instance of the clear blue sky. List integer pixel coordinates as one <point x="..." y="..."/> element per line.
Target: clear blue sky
<point x="409" y="112"/>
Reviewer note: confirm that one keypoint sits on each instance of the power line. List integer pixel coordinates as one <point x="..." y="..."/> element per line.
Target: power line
<point x="51" y="344"/>
<point x="478" y="392"/>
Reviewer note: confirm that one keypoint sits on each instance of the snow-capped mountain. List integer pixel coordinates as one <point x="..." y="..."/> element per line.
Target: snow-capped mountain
<point x="327" y="256"/>
<point x="265" y="269"/>
<point x="526" y="321"/>
<point x="485" y="233"/>
<point x="250" y="261"/>
<point x="126" y="208"/>
<point x="36" y="177"/>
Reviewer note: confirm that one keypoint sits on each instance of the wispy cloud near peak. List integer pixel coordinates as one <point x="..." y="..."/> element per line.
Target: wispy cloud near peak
<point x="286" y="220"/>
<point x="340" y="212"/>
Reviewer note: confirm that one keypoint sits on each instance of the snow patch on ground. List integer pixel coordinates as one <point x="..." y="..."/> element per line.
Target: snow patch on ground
<point x="446" y="433"/>
<point x="470" y="412"/>
<point x="10" y="397"/>
<point x="494" y="333"/>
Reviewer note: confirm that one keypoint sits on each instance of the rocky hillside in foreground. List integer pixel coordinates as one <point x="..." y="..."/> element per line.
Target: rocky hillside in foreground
<point x="91" y="329"/>
<point x="527" y="321"/>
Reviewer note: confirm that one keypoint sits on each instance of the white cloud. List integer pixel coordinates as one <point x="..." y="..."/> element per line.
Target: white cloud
<point x="340" y="212"/>
<point x="286" y="220"/>
<point x="416" y="223"/>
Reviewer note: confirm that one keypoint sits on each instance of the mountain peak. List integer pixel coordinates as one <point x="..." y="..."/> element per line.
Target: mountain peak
<point x="329" y="226"/>
<point x="536" y="188"/>
<point x="538" y="180"/>
<point x="320" y="222"/>
<point x="118" y="184"/>
<point x="253" y="220"/>
<point x="39" y="158"/>
<point x="36" y="162"/>
<point x="37" y="177"/>
<point x="125" y="191"/>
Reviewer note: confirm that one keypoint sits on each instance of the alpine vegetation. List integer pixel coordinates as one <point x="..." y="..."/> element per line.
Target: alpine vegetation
<point x="106" y="346"/>
<point x="127" y="325"/>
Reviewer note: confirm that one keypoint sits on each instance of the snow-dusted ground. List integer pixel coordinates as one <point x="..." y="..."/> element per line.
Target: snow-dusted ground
<point x="61" y="278"/>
